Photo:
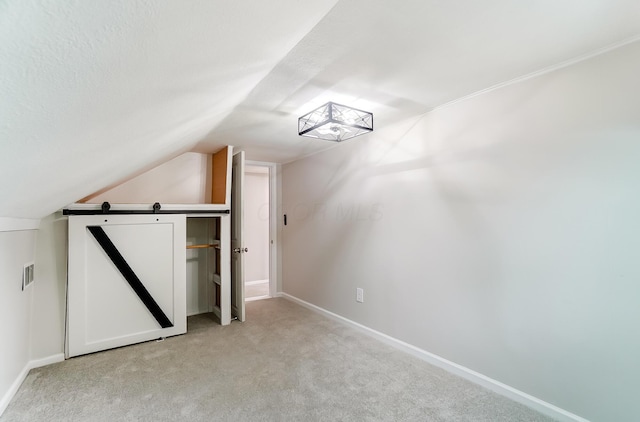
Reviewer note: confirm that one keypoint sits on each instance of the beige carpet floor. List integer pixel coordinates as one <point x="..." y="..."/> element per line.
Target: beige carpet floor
<point x="285" y="363"/>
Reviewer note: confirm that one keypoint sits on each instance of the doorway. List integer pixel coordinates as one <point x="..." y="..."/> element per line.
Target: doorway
<point x="257" y="233"/>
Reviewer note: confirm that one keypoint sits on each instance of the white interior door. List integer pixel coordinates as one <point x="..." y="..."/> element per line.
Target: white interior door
<point x="238" y="248"/>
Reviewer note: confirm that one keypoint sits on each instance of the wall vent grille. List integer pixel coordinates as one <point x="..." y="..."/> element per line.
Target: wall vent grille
<point x="27" y="275"/>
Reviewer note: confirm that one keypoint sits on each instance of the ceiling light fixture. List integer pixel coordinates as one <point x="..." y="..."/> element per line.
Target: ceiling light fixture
<point x="335" y="122"/>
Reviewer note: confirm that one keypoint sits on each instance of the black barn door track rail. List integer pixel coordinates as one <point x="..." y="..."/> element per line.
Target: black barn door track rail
<point x="105" y="208"/>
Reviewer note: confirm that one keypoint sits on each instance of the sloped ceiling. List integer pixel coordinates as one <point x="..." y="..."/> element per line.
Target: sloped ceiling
<point x="93" y="92"/>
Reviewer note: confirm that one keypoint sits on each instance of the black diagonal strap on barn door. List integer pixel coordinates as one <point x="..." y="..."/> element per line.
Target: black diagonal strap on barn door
<point x="131" y="277"/>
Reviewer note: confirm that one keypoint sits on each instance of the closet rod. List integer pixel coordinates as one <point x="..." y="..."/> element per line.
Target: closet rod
<point x="203" y="246"/>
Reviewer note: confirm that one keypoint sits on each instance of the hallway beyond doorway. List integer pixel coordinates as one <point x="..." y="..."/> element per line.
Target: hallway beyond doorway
<point x="255" y="290"/>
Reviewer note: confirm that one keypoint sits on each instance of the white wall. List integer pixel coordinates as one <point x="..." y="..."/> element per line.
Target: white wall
<point x="182" y="180"/>
<point x="256" y="222"/>
<point x="49" y="292"/>
<point x="16" y="249"/>
<point x="500" y="232"/>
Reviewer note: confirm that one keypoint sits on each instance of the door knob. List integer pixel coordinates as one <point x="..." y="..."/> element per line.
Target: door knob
<point x="246" y="250"/>
<point x="237" y="250"/>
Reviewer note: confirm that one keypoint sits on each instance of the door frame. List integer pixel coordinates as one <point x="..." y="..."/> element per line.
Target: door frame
<point x="274" y="174"/>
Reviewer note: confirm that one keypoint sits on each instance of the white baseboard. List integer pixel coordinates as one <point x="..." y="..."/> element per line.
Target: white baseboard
<point x="37" y="363"/>
<point x="466" y="373"/>
<point x="254" y="282"/>
<point x="254" y="298"/>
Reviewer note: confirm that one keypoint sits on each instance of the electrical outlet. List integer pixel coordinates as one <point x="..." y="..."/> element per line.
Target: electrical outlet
<point x="27" y="275"/>
<point x="359" y="295"/>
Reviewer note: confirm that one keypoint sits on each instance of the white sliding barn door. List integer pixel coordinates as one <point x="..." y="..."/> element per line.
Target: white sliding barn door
<point x="126" y="280"/>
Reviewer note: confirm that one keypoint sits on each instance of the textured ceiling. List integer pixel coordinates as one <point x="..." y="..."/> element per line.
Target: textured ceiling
<point x="93" y="92"/>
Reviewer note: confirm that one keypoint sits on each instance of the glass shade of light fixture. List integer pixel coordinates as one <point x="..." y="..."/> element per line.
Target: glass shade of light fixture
<point x="335" y="122"/>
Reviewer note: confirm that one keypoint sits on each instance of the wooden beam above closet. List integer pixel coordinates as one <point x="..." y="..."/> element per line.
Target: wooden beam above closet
<point x="220" y="162"/>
